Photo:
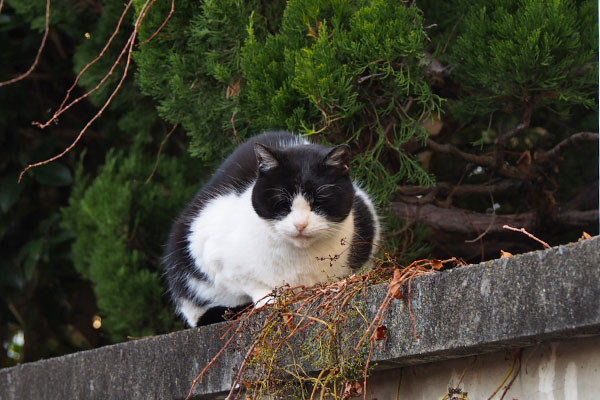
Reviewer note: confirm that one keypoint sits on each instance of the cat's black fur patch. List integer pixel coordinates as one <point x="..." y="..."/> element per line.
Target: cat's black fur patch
<point x="364" y="234"/>
<point x="303" y="169"/>
<point x="219" y="314"/>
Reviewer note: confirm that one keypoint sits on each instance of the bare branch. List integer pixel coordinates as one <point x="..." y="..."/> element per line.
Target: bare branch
<point x="522" y="230"/>
<point x="504" y="169"/>
<point x="128" y="49"/>
<point x="161" y="25"/>
<point x="62" y="108"/>
<point x="447" y="148"/>
<point x="501" y="186"/>
<point x="159" y="152"/>
<point x="459" y="221"/>
<point x="524" y="124"/>
<point x="574" y="139"/>
<point x="37" y="57"/>
<point x="500" y="142"/>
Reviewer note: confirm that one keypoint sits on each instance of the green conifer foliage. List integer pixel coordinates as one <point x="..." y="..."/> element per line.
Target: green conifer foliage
<point x="351" y="72"/>
<point x="348" y="71"/>
<point x="193" y="67"/>
<point x="516" y="53"/>
<point x="122" y="224"/>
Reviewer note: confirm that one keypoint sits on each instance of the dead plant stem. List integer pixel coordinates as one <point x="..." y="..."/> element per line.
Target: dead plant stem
<point x="62" y="108"/>
<point x="162" y="144"/>
<point x="522" y="230"/>
<point x="39" y="52"/>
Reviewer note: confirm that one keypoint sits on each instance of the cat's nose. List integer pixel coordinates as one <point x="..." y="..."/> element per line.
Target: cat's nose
<point x="301" y="226"/>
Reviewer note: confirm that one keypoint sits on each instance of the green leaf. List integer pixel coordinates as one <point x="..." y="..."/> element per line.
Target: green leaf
<point x="54" y="174"/>
<point x="29" y="256"/>
<point x="10" y="190"/>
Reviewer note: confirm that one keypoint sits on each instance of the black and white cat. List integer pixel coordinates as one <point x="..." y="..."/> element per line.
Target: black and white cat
<point x="278" y="211"/>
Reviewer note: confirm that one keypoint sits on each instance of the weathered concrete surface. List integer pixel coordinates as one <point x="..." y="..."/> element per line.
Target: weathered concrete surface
<point x="514" y="302"/>
<point x="161" y="367"/>
<point x="555" y="370"/>
<point x="510" y="302"/>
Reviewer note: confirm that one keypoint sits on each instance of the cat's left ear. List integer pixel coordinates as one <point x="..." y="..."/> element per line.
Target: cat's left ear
<point x="339" y="158"/>
<point x="265" y="157"/>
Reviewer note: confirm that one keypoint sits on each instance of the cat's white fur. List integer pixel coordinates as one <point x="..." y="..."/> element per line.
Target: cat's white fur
<point x="246" y="255"/>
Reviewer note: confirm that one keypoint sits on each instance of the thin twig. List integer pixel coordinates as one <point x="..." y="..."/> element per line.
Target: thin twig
<point x="366" y="371"/>
<point x="85" y="128"/>
<point x="510" y="371"/>
<point x="161" y="25"/>
<point x="61" y="109"/>
<point x="39" y="52"/>
<point x="235" y="132"/>
<point x="522" y="230"/>
<point x="448" y="148"/>
<point x="129" y="50"/>
<point x="501" y="140"/>
<point x="574" y="139"/>
<point x="399" y="385"/>
<point x="200" y="376"/>
<point x="160" y="151"/>
<point x="489" y="226"/>
<point x="452" y="33"/>
<point x="517" y="356"/>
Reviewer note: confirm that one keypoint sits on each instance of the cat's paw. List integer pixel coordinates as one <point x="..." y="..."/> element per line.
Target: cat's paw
<point x="265" y="300"/>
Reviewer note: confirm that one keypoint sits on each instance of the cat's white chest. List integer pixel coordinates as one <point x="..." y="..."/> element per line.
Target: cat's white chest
<point x="245" y="255"/>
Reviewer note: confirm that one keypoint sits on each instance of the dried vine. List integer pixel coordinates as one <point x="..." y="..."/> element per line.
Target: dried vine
<point x="39" y="52"/>
<point x="329" y="327"/>
<point x="125" y="54"/>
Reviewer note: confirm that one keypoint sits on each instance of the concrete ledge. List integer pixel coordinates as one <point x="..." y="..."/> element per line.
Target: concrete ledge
<point x="507" y="303"/>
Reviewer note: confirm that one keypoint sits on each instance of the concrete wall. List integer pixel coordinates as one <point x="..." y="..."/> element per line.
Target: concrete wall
<point x="553" y="370"/>
<point x="547" y="302"/>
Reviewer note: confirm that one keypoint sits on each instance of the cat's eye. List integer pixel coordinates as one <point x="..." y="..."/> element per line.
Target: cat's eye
<point x="278" y="198"/>
<point x="325" y="192"/>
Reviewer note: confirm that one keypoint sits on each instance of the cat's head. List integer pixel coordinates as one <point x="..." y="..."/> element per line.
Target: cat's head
<point x="304" y="191"/>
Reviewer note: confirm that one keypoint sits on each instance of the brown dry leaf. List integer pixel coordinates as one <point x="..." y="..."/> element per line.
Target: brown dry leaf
<point x="288" y="319"/>
<point x="352" y="389"/>
<point x="524" y="161"/>
<point x="433" y="125"/>
<point x="461" y="263"/>
<point x="505" y="254"/>
<point x="437" y="264"/>
<point x="395" y="286"/>
<point x="234" y="90"/>
<point x="585" y="236"/>
<point x="380" y="333"/>
<point x="314" y="33"/>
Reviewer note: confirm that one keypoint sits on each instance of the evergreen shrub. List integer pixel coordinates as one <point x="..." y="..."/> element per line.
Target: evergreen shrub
<point x="378" y="75"/>
<point x="122" y="224"/>
<point x="337" y="71"/>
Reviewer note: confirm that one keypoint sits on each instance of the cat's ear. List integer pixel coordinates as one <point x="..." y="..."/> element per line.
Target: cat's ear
<point x="339" y="158"/>
<point x="265" y="157"/>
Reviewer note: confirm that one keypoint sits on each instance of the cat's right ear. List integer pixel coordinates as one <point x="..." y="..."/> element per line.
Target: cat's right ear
<point x="265" y="157"/>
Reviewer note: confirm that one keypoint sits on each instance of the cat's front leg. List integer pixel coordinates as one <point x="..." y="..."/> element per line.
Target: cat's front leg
<point x="262" y="297"/>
